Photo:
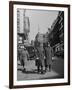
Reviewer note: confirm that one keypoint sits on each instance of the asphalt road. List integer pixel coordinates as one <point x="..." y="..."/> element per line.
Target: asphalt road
<point x="31" y="71"/>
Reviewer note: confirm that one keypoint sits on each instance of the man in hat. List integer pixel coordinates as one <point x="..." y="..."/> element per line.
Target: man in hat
<point x="40" y="59"/>
<point x="24" y="58"/>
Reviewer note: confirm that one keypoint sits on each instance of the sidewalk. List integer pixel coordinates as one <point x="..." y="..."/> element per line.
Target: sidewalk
<point x="31" y="71"/>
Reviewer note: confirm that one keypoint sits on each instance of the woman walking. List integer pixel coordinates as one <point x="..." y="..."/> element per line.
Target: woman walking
<point x="24" y="58"/>
<point x="48" y="59"/>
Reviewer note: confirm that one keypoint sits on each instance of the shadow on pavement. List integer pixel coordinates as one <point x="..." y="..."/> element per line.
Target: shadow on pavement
<point x="28" y="72"/>
<point x="54" y="77"/>
<point x="58" y="66"/>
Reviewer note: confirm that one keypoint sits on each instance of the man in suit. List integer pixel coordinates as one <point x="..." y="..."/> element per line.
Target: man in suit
<point x="40" y="59"/>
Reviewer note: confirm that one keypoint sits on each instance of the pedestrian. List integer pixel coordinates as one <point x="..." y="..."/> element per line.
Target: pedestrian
<point x="24" y="58"/>
<point x="40" y="59"/>
<point x="18" y="53"/>
<point x="48" y="57"/>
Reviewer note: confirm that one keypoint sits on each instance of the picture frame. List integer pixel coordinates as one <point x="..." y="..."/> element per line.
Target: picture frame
<point x="14" y="81"/>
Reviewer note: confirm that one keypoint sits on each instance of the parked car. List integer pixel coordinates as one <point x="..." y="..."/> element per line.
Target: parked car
<point x="31" y="51"/>
<point x="59" y="54"/>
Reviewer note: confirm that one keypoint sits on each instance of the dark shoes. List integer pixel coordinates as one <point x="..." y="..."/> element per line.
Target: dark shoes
<point x="48" y="69"/>
<point x="24" y="70"/>
<point x="38" y="70"/>
<point x="42" y="72"/>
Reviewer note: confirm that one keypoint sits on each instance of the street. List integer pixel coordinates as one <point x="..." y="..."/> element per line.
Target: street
<point x="31" y="70"/>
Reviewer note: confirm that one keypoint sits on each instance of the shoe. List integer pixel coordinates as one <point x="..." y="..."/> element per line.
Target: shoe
<point x="38" y="72"/>
<point x="24" y="70"/>
<point x="42" y="72"/>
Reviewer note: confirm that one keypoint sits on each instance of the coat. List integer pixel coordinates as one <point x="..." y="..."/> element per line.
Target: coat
<point x="24" y="57"/>
<point x="48" y="55"/>
<point x="40" y="56"/>
<point x="19" y="53"/>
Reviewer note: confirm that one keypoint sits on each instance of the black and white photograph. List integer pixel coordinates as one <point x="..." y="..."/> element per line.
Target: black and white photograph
<point x="40" y="44"/>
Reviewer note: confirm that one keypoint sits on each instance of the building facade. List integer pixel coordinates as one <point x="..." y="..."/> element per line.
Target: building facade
<point x="56" y="37"/>
<point x="23" y="26"/>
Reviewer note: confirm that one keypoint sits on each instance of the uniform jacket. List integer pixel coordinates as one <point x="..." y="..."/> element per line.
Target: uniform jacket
<point x="40" y="55"/>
